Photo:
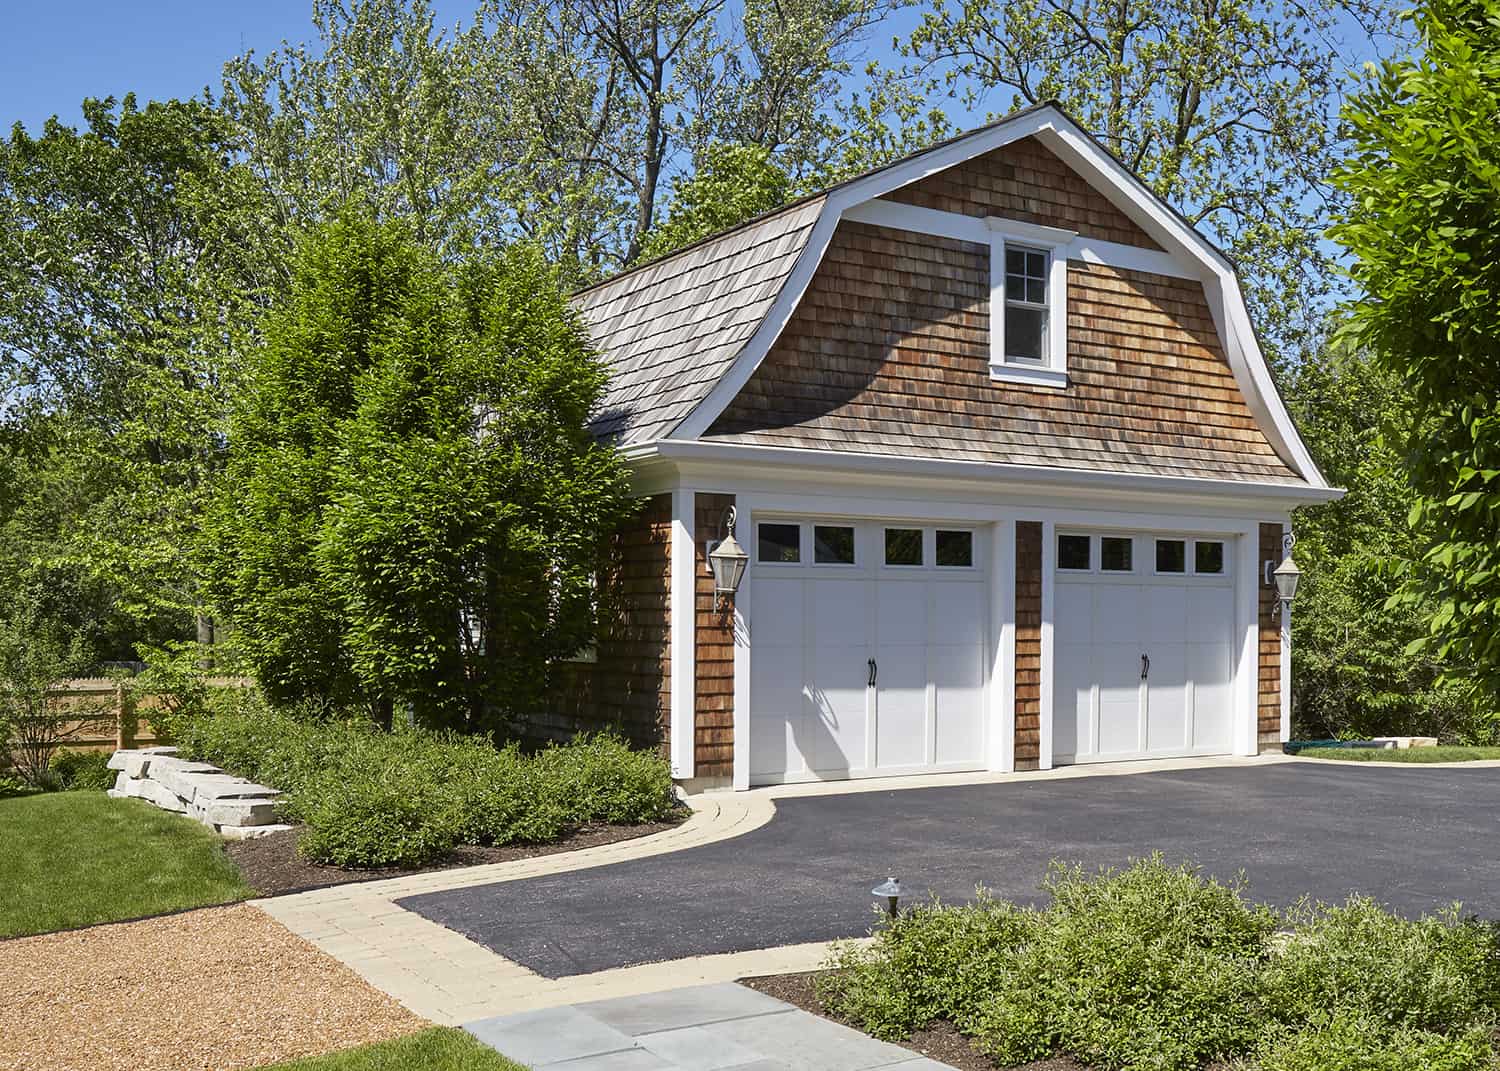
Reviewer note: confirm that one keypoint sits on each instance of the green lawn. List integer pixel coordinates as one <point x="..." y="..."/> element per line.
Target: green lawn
<point x="77" y="858"/>
<point x="438" y="1049"/>
<point x="1401" y="754"/>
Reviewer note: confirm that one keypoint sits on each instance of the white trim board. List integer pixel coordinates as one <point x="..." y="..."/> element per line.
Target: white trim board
<point x="1060" y="134"/>
<point x="682" y="681"/>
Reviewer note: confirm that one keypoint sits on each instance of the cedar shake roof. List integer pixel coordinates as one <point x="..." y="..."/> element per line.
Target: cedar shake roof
<point x="669" y="330"/>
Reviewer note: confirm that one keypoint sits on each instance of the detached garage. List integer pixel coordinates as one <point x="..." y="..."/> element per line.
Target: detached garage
<point x="992" y="463"/>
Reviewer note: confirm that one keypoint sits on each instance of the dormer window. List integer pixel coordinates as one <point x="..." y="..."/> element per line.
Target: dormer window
<point x="1025" y="304"/>
<point x="1028" y="303"/>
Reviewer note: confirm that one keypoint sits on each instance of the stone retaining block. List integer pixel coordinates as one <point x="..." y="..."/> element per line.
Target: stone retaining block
<point x="233" y="806"/>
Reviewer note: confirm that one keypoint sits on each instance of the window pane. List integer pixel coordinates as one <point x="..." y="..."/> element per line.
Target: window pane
<point x="903" y="546"/>
<point x="780" y="543"/>
<point x="1073" y="552"/>
<point x="1208" y="556"/>
<point x="1036" y="265"/>
<point x="833" y="544"/>
<point x="1036" y="292"/>
<point x="1024" y="329"/>
<point x="1171" y="556"/>
<point x="1015" y="288"/>
<point x="1015" y="262"/>
<point x="1115" y="554"/>
<point x="955" y="548"/>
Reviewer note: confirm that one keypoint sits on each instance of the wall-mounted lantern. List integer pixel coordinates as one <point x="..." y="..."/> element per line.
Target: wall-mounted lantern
<point x="1285" y="577"/>
<point x="727" y="560"/>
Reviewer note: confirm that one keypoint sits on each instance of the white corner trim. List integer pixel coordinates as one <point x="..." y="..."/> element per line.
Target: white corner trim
<point x="1049" y="585"/>
<point x="1032" y="374"/>
<point x="1286" y="657"/>
<point x="1002" y="693"/>
<point x="684" y="619"/>
<point x="1246" y="727"/>
<point x="1035" y="233"/>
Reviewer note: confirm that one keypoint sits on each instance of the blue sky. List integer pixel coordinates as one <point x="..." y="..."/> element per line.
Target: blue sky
<point x="56" y="52"/>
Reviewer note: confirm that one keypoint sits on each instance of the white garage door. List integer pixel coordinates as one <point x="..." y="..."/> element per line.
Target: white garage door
<point x="867" y="649"/>
<point x="1144" y="647"/>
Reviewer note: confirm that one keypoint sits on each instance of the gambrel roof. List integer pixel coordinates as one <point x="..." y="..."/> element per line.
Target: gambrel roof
<point x="682" y="336"/>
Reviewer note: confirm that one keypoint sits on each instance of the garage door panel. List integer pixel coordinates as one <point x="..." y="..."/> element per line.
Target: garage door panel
<point x="778" y="618"/>
<point x="1166" y="698"/>
<point x="958" y="687"/>
<point x="1210" y="615"/>
<point x="901" y="705"/>
<point x="1074" y="615"/>
<point x="1211" y="668"/>
<point x="836" y="732"/>
<point x="1165" y="615"/>
<point x="958" y="613"/>
<point x="781" y="712"/>
<point x="1072" y="702"/>
<point x="902" y="613"/>
<point x="1116" y="669"/>
<point x="839" y="613"/>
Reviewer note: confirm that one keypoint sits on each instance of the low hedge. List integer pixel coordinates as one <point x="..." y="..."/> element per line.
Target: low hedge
<point x="370" y="798"/>
<point x="81" y="771"/>
<point x="1157" y="967"/>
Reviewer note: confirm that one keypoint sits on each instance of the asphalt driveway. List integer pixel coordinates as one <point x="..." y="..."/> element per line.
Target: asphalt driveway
<point x="1414" y="838"/>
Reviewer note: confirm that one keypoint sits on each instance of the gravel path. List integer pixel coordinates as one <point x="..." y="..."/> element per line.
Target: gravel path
<point x="219" y="989"/>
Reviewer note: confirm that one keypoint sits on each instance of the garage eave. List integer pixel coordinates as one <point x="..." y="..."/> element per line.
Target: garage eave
<point x="746" y="458"/>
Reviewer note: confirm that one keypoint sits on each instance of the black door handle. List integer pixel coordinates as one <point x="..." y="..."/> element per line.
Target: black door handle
<point x="1145" y="666"/>
<point x="874" y="669"/>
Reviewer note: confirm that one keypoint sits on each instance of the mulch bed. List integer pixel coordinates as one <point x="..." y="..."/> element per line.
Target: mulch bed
<point x="272" y="867"/>
<point x="941" y="1041"/>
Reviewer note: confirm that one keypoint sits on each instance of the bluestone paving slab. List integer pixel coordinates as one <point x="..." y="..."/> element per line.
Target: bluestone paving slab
<point x="549" y="1036"/>
<point x="1405" y="837"/>
<point x="774" y="1036"/>
<point x="677" y="1008"/>
<point x="696" y="1048"/>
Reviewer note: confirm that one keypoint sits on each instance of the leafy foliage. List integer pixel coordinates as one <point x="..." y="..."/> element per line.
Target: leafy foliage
<point x="405" y="798"/>
<point x="81" y="771"/>
<point x="1424" y="231"/>
<point x="35" y="659"/>
<point x="732" y="183"/>
<point x="413" y="485"/>
<point x="1354" y="676"/>
<point x="1157" y="967"/>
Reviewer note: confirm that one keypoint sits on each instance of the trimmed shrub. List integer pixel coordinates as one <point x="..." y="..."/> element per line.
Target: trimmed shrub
<point x="1439" y="973"/>
<point x="1348" y="1043"/>
<point x="1149" y="967"/>
<point x="405" y="798"/>
<point x="12" y="786"/>
<point x="81" y="771"/>
<point x="929" y="963"/>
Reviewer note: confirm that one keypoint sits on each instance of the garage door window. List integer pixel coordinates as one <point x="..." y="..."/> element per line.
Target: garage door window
<point x="1171" y="556"/>
<point x="1208" y="557"/>
<point x="1116" y="554"/>
<point x="1074" y="553"/>
<point x="955" y="550"/>
<point x="903" y="546"/>
<point x="779" y="544"/>
<point x="833" y="544"/>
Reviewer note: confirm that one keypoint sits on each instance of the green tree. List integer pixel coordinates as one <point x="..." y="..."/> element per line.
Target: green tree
<point x="415" y="503"/>
<point x="555" y="123"/>
<point x="1353" y="675"/>
<point x="732" y="183"/>
<point x="1226" y="108"/>
<point x="1423" y="226"/>
<point x="126" y="287"/>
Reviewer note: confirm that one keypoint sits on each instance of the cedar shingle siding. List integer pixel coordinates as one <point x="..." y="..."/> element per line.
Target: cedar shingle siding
<point x="628" y="687"/>
<point x="713" y="716"/>
<point x="888" y="352"/>
<point x="1028" y="644"/>
<point x="1025" y="181"/>
<point x="1270" y="644"/>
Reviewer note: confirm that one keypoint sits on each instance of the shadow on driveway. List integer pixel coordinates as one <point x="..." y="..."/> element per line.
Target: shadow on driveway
<point x="1416" y="839"/>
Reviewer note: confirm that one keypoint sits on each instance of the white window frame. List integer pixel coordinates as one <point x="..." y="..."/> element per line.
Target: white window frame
<point x="1052" y="370"/>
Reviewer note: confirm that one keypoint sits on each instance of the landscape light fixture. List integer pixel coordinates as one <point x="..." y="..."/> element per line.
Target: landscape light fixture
<point x="891" y="890"/>
<point x="727" y="560"/>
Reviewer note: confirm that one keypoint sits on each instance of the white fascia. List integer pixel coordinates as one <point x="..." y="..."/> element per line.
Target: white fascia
<point x="1115" y="182"/>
